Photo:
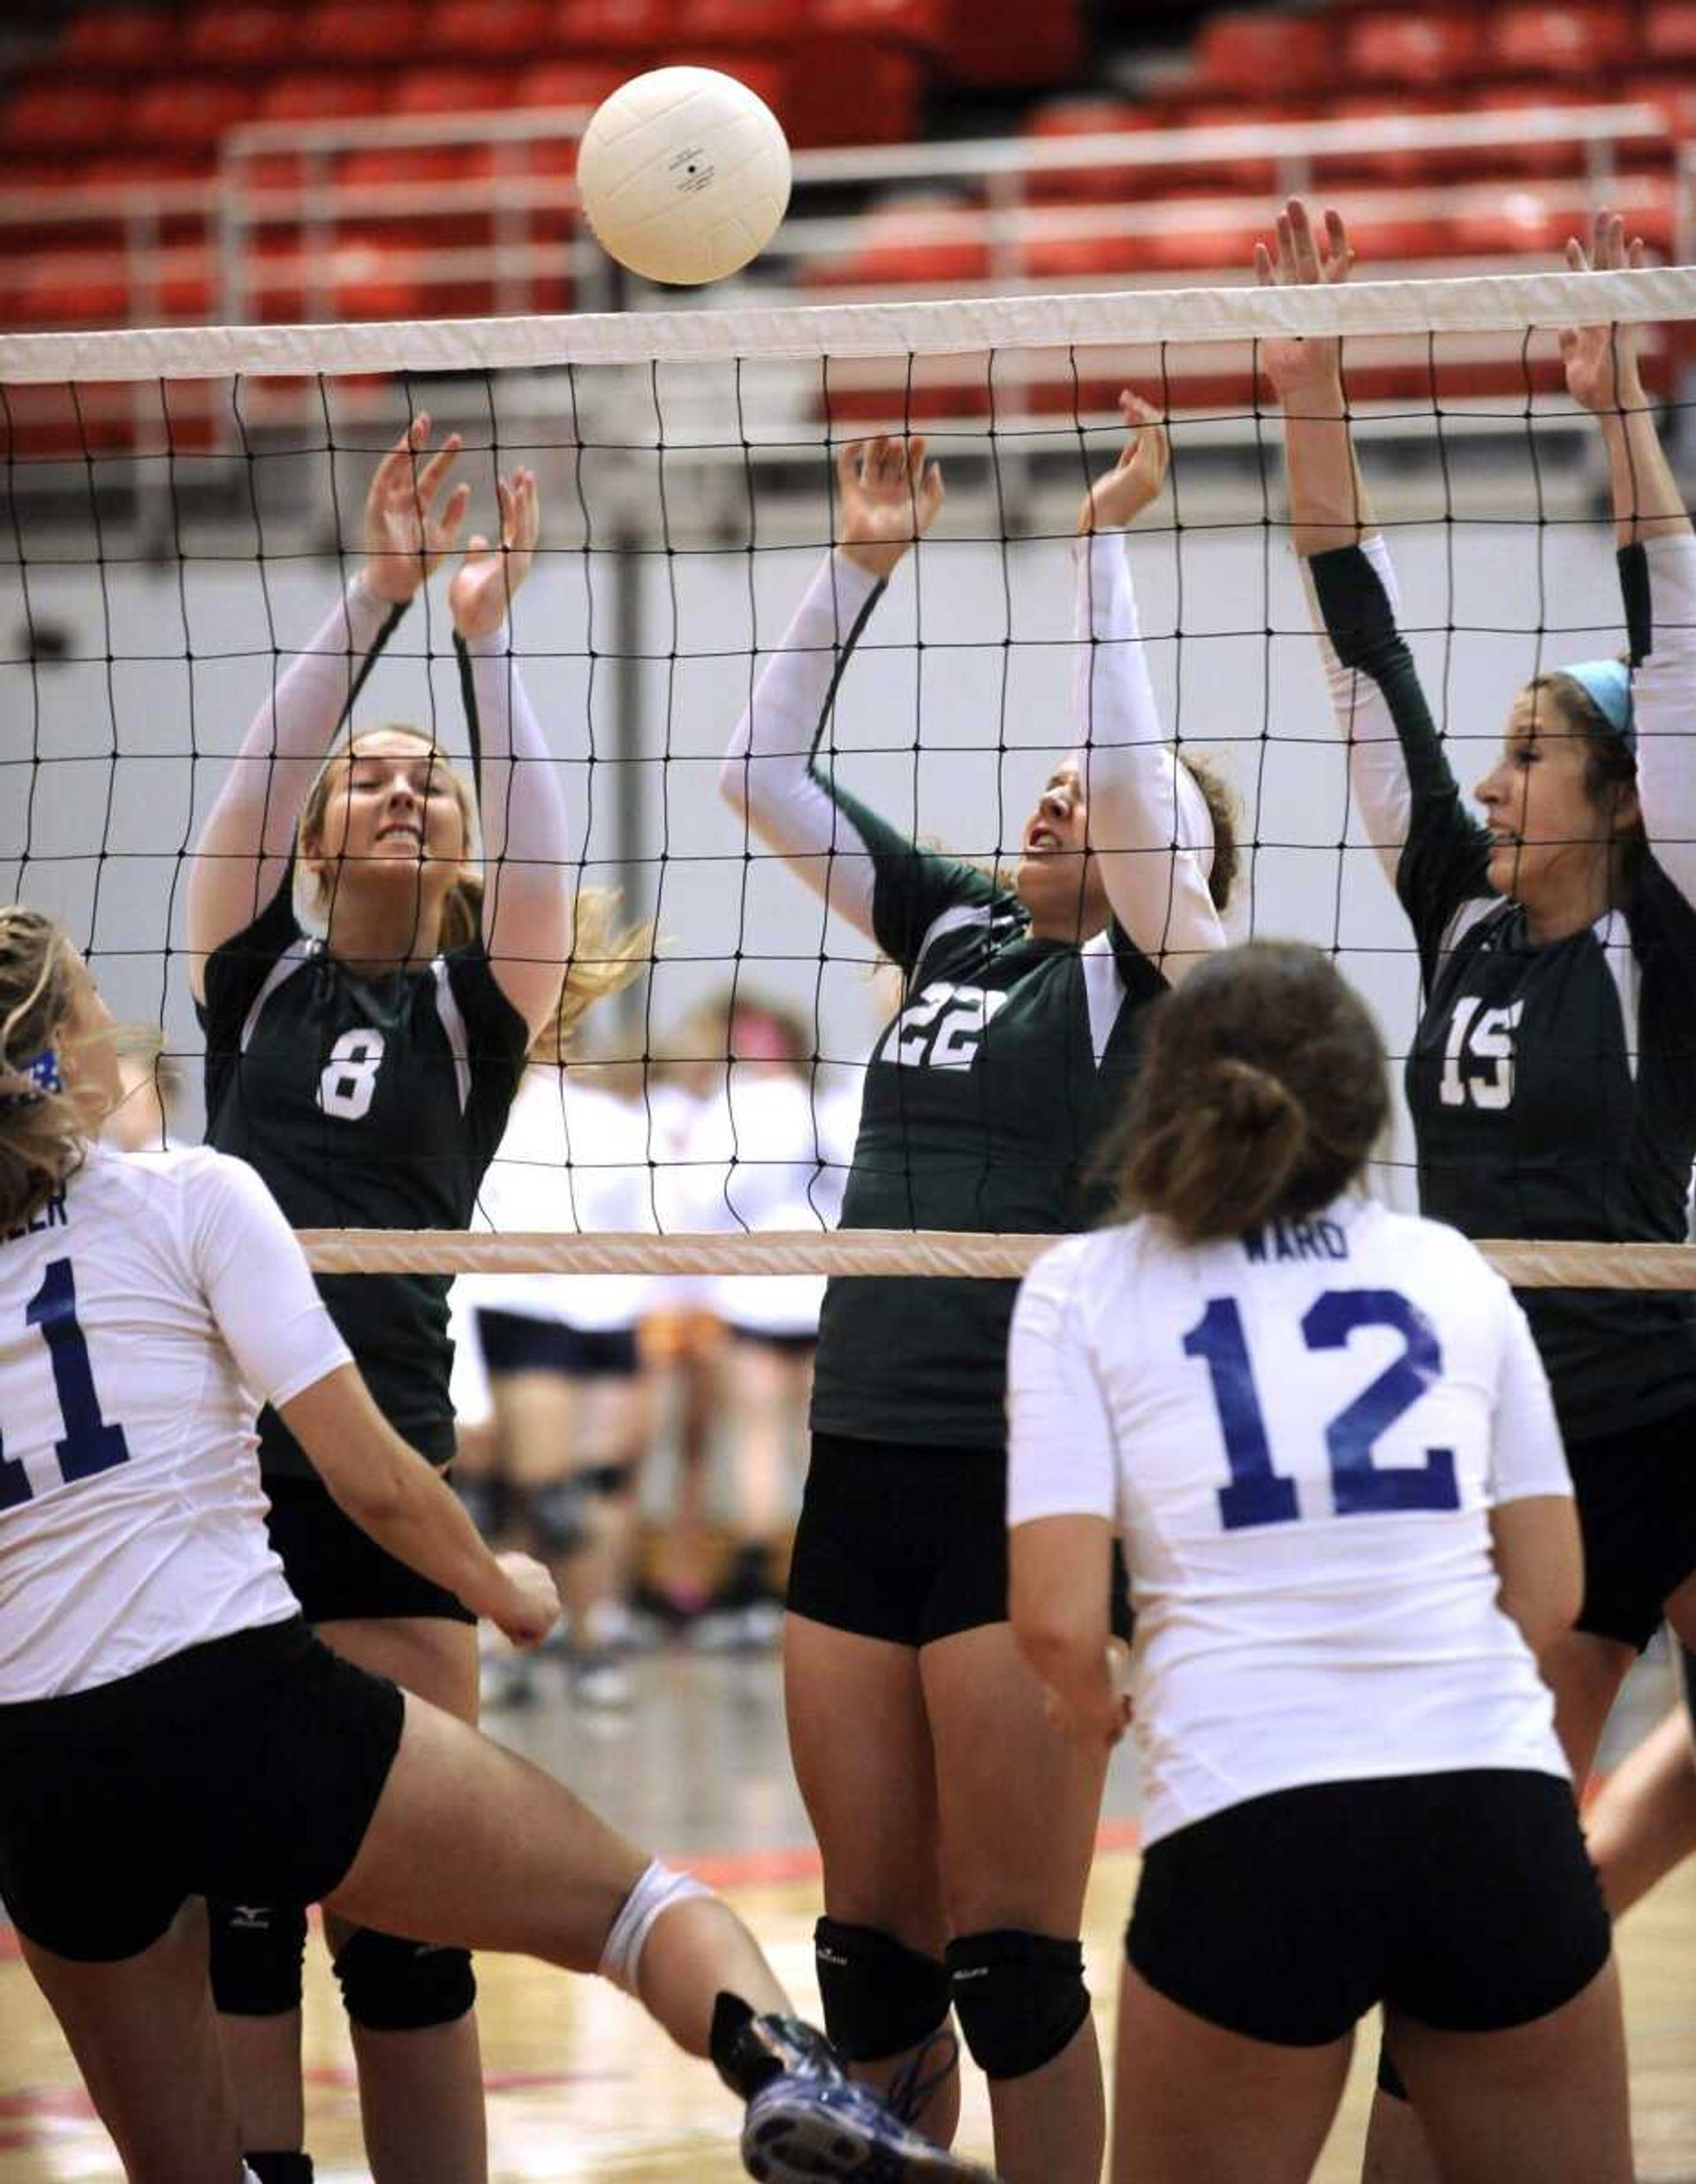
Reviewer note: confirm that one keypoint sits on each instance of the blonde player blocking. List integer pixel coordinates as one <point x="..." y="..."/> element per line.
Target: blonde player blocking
<point x="147" y="1303"/>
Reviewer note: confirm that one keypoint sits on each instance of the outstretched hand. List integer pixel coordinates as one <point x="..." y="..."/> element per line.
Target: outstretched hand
<point x="485" y="579"/>
<point x="1302" y="365"/>
<point x="1136" y="479"/>
<point x="405" y="533"/>
<point x="1601" y="362"/>
<point x="890" y="498"/>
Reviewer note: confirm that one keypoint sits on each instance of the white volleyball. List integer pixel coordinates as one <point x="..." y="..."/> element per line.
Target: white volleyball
<point x="684" y="175"/>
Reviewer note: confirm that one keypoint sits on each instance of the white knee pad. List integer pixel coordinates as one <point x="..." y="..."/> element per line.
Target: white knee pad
<point x="658" y="1888"/>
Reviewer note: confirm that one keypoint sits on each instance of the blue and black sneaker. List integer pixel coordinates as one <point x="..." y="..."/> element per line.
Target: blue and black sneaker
<point x="808" y="2120"/>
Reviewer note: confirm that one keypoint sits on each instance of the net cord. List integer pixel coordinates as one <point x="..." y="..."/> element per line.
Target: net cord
<point x="1476" y="303"/>
<point x="888" y="1253"/>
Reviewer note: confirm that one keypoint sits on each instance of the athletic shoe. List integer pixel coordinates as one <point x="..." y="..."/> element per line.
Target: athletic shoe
<point x="599" y="1679"/>
<point x="806" y="2128"/>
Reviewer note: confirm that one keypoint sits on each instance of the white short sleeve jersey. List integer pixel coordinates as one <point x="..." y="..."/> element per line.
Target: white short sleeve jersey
<point x="1300" y="1436"/>
<point x="145" y="1314"/>
<point x="754" y="1156"/>
<point x="574" y="1161"/>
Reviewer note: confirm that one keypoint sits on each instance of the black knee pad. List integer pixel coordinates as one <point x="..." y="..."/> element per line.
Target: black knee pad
<point x="256" y="1952"/>
<point x="555" y="1516"/>
<point x="1389" y="2079"/>
<point x="279" y="2168"/>
<point x="607" y="1482"/>
<point x="391" y="1985"/>
<point x="879" y="1997"/>
<point x="1020" y="1998"/>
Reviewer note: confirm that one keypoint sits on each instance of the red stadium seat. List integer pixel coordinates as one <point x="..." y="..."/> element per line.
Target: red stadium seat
<point x="1518" y="155"/>
<point x="1673" y="95"/>
<point x="1537" y="39"/>
<point x="1669" y="31"/>
<point x="1426" y="52"/>
<point x="1020" y="44"/>
<point x="471" y="30"/>
<point x="639" y="29"/>
<point x="255" y="37"/>
<point x="1265" y="54"/>
<point x="1087" y="257"/>
<point x="122" y="40"/>
<point x="923" y="23"/>
<point x="897" y="246"/>
<point x="766" y="76"/>
<point x="1242" y="170"/>
<point x="764" y="25"/>
<point x="889" y="86"/>
<point x="70" y="288"/>
<point x="351" y="33"/>
<point x="1406" y="238"/>
<point x="63" y="116"/>
<point x="1382" y="163"/>
<point x="452" y="91"/>
<point x="567" y="84"/>
<point x="383" y="166"/>
<point x="1103" y="183"/>
<point x="316" y="95"/>
<point x="188" y="111"/>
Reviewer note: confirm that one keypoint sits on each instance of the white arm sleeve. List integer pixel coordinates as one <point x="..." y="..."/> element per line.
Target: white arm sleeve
<point x="255" y="1279"/>
<point x="1148" y="821"/>
<point x="249" y="833"/>
<point x="1061" y="1460"/>
<point x="527" y="834"/>
<point x="1377" y="771"/>
<point x="766" y="775"/>
<point x="1526" y="1454"/>
<point x="1663" y="701"/>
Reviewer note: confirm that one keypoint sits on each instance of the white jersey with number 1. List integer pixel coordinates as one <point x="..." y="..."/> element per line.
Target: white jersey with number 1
<point x="1300" y="1436"/>
<point x="145" y="1313"/>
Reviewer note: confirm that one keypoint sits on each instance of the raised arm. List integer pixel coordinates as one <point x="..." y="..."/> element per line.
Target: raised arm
<point x="1149" y="823"/>
<point x="248" y="838"/>
<point x="521" y="804"/>
<point x="1431" y="849"/>
<point x="890" y="497"/>
<point x="1657" y="561"/>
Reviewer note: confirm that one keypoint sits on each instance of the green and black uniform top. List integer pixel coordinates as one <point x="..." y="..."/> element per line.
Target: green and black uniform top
<point x="1552" y="1087"/>
<point x="984" y="1098"/>
<point x="374" y="1100"/>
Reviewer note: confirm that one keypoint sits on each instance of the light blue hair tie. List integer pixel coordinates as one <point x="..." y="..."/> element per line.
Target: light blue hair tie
<point x="1607" y="685"/>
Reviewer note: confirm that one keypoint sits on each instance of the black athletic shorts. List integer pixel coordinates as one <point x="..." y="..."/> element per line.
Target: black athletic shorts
<point x="907" y="1542"/>
<point x="513" y="1342"/>
<point x="248" y="1768"/>
<point x="1466" y="1900"/>
<point x="337" y="1572"/>
<point x="770" y="1338"/>
<point x="1637" y="1510"/>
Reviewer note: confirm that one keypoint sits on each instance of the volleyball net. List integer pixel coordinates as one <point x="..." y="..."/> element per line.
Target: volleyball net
<point x="184" y="506"/>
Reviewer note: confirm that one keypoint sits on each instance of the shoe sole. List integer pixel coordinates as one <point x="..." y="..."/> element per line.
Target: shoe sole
<point x="805" y="2145"/>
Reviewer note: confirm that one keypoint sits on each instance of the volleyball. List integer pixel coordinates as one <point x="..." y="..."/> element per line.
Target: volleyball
<point x="684" y="175"/>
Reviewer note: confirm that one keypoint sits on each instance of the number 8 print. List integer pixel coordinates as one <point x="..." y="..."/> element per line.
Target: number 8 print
<point x="349" y="1082"/>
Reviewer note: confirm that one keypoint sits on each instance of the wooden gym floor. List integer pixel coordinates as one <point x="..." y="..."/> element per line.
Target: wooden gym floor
<point x="581" y="2088"/>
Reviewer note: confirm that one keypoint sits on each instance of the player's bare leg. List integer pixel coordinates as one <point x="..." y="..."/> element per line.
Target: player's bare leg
<point x="870" y="1797"/>
<point x="145" y="2036"/>
<point x="1585" y="1673"/>
<point x="1546" y="2099"/>
<point x="1018" y="1807"/>
<point x="421" y="2093"/>
<point x="1171" y="2126"/>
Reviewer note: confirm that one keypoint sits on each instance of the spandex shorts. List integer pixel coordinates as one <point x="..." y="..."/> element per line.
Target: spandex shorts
<point x="248" y="1768"/>
<point x="800" y="1345"/>
<point x="339" y="1573"/>
<point x="513" y="1342"/>
<point x="1465" y="1900"/>
<point x="1636" y="1492"/>
<point x="906" y="1542"/>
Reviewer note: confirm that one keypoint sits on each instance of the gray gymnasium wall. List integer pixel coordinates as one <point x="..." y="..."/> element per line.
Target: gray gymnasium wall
<point x="987" y="700"/>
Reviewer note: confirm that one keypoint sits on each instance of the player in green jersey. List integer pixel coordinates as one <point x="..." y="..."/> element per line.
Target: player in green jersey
<point x="956" y="1824"/>
<point x="367" y="998"/>
<point x="1552" y="1080"/>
